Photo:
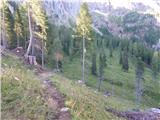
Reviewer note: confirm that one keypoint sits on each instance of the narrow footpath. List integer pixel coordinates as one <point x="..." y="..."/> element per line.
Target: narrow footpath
<point x="54" y="99"/>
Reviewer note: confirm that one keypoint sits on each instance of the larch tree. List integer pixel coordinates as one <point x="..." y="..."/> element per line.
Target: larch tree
<point x="84" y="29"/>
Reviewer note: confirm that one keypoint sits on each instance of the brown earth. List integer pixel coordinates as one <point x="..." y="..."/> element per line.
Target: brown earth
<point x="135" y="115"/>
<point x="54" y="98"/>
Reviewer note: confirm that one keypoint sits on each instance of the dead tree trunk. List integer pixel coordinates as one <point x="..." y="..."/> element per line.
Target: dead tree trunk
<point x="30" y="31"/>
<point x="83" y="58"/>
<point x="32" y="60"/>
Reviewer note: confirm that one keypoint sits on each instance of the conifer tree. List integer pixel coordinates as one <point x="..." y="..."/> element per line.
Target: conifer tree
<point x="124" y="55"/>
<point x="18" y="27"/>
<point x="2" y="23"/>
<point x="84" y="29"/>
<point x="9" y="25"/>
<point x="94" y="55"/>
<point x="102" y="60"/>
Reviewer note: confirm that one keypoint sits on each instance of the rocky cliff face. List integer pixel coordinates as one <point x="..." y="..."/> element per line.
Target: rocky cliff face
<point x="120" y="22"/>
<point x="64" y="12"/>
<point x="69" y="8"/>
<point x="61" y="11"/>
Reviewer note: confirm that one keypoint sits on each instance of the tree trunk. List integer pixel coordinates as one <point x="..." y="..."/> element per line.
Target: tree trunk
<point x="17" y="41"/>
<point x="94" y="66"/>
<point x="100" y="81"/>
<point x="139" y="85"/>
<point x="57" y="65"/>
<point x="83" y="59"/>
<point x="33" y="47"/>
<point x="42" y="54"/>
<point x="30" y="31"/>
<point x="100" y="72"/>
<point x="138" y="90"/>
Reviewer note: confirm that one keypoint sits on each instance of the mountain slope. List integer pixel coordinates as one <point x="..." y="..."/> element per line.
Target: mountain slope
<point x="116" y="81"/>
<point x="133" y="24"/>
<point x="21" y="91"/>
<point x="23" y="95"/>
<point x="28" y="96"/>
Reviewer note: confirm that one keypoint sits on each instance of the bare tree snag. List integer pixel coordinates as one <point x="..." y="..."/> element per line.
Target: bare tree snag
<point x="30" y="31"/>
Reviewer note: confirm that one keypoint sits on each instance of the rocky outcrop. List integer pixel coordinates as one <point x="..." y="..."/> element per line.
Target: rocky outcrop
<point x="150" y="114"/>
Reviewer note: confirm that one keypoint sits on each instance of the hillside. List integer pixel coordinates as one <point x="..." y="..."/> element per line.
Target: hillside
<point x="21" y="87"/>
<point x="23" y="95"/>
<point x="27" y="94"/>
<point x="69" y="59"/>
<point x="117" y="82"/>
<point x="21" y="91"/>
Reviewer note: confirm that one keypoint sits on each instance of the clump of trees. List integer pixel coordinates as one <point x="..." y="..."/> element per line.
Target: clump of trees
<point x="22" y="22"/>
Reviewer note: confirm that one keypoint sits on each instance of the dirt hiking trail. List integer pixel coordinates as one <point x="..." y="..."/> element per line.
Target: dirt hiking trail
<point x="54" y="99"/>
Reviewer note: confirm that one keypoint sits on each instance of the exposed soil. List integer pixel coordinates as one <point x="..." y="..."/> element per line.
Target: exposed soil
<point x="19" y="51"/>
<point x="55" y="100"/>
<point x="133" y="115"/>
